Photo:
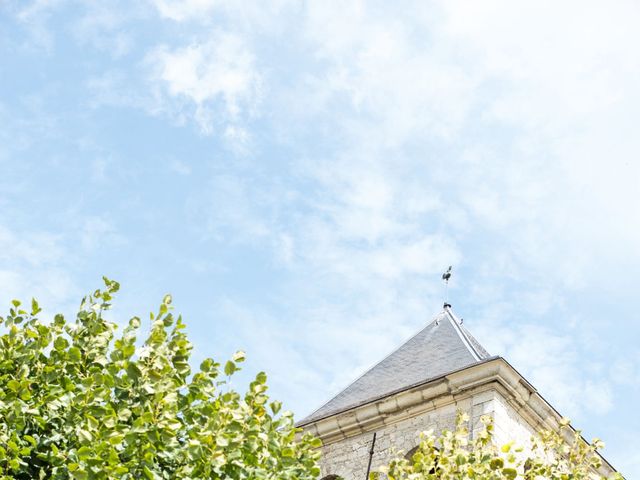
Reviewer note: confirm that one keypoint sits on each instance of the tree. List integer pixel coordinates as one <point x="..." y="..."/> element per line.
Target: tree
<point x="562" y="455"/>
<point x="77" y="402"/>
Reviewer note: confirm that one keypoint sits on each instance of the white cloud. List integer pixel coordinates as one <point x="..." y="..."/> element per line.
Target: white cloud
<point x="30" y="10"/>
<point x="226" y="210"/>
<point x="180" y="10"/>
<point x="555" y="362"/>
<point x="628" y="461"/>
<point x="180" y="167"/>
<point x="248" y="17"/>
<point x="488" y="136"/>
<point x="99" y="168"/>
<point x="35" y="249"/>
<point x="39" y="264"/>
<point x="382" y="64"/>
<point x="33" y="16"/>
<point x="33" y="266"/>
<point x="107" y="27"/>
<point x="214" y="83"/>
<point x="626" y="371"/>
<point x="98" y="231"/>
<point x="528" y="109"/>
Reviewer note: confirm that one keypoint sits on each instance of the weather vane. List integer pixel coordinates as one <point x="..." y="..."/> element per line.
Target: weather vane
<point x="446" y="276"/>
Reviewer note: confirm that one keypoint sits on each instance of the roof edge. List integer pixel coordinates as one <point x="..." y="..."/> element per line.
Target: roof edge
<point x="303" y="423"/>
<point x="461" y="333"/>
<point x="548" y="404"/>
<point x="310" y="415"/>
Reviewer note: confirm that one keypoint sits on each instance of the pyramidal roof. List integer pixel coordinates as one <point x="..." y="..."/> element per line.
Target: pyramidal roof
<point x="442" y="347"/>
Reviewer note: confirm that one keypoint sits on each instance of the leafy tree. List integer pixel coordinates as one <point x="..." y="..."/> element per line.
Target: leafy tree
<point x="77" y="402"/>
<point x="562" y="455"/>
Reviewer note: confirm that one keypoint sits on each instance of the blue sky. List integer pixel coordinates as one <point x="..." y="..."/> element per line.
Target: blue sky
<point x="298" y="175"/>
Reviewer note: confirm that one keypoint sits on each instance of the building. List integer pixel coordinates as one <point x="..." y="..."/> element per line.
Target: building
<point x="421" y="386"/>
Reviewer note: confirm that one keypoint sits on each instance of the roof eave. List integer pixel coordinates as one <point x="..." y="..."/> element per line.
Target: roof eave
<point x="310" y="419"/>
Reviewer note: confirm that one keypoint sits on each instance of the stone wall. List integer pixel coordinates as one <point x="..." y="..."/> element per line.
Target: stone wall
<point x="509" y="424"/>
<point x="349" y="457"/>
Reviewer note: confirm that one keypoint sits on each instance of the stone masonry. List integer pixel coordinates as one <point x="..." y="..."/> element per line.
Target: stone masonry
<point x="349" y="457"/>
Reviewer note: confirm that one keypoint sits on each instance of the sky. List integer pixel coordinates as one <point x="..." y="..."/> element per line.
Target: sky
<point x="299" y="174"/>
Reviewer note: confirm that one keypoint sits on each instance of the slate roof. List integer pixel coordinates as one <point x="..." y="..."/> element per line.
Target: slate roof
<point x="442" y="347"/>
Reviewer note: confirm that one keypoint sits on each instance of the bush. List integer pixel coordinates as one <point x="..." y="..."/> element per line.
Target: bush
<point x="78" y="402"/>
<point x="562" y="455"/>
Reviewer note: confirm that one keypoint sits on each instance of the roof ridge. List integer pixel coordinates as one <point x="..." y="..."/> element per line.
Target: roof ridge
<point x="457" y="324"/>
<point x="373" y="366"/>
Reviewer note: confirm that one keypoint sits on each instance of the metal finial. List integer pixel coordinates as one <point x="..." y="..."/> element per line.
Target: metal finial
<point x="446" y="276"/>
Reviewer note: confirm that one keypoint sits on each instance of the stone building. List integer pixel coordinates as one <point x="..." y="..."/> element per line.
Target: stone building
<point x="421" y="386"/>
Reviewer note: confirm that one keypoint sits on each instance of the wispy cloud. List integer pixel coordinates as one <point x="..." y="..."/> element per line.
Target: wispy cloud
<point x="335" y="157"/>
<point x="556" y="361"/>
<point x="180" y="10"/>
<point x="32" y="265"/>
<point x="213" y="83"/>
<point x="98" y="231"/>
<point x="449" y="134"/>
<point x="107" y="27"/>
<point x="180" y="167"/>
<point x="414" y="172"/>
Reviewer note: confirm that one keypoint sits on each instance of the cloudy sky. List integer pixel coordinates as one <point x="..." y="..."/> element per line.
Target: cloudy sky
<point x="299" y="175"/>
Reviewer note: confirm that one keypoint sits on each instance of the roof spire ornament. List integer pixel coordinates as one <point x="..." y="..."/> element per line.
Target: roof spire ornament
<point x="446" y="276"/>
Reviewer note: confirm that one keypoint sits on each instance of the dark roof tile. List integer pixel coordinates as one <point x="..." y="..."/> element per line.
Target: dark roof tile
<point x="443" y="346"/>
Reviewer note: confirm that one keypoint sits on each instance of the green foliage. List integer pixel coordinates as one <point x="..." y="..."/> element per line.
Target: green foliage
<point x="78" y="402"/>
<point x="562" y="455"/>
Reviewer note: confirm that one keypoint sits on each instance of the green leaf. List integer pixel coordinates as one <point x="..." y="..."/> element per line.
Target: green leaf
<point x="84" y="435"/>
<point x="84" y="453"/>
<point x="510" y="473"/>
<point x="149" y="474"/>
<point x="60" y="343"/>
<point x="261" y="377"/>
<point x="74" y="354"/>
<point x="275" y="407"/>
<point x="222" y="441"/>
<point x="565" y="422"/>
<point x="288" y="452"/>
<point x="229" y="368"/>
<point x="35" y="309"/>
<point x="13" y="385"/>
<point x="207" y="365"/>
<point x="239" y="356"/>
<point x="506" y="447"/>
